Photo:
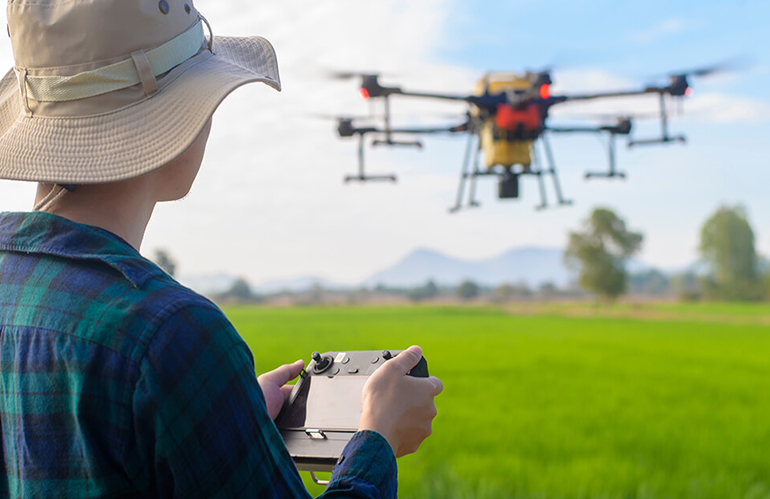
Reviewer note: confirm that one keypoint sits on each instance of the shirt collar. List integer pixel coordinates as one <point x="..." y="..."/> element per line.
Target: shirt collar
<point x="49" y="234"/>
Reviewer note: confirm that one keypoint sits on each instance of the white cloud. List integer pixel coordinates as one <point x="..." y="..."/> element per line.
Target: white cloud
<point x="271" y="185"/>
<point x="269" y="201"/>
<point x="728" y="109"/>
<point x="663" y="29"/>
<point x="574" y="81"/>
<point x="710" y="107"/>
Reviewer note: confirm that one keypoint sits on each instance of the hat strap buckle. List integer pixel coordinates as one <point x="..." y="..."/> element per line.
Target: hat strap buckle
<point x="22" y="77"/>
<point x="211" y="33"/>
<point x="146" y="75"/>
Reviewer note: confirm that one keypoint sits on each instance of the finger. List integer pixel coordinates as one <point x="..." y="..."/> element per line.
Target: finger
<point x="284" y="374"/>
<point x="406" y="360"/>
<point x="438" y="386"/>
<point x="286" y="391"/>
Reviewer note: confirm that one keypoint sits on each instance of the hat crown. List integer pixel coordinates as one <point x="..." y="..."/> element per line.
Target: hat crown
<point x="55" y="34"/>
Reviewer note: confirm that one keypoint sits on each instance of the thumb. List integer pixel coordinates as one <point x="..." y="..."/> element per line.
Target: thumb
<point x="406" y="360"/>
<point x="285" y="373"/>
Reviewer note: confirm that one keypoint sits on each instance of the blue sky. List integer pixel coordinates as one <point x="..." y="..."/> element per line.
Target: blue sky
<point x="634" y="38"/>
<point x="269" y="201"/>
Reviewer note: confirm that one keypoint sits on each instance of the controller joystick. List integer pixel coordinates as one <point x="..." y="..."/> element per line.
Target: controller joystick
<point x="418" y="371"/>
<point x="322" y="362"/>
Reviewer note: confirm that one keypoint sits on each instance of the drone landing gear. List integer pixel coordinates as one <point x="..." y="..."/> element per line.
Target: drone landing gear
<point x="389" y="142"/>
<point x="550" y="171"/>
<point x="612" y="173"/>
<point x="363" y="177"/>
<point x="665" y="138"/>
<point x="465" y="175"/>
<point x="508" y="180"/>
<point x="370" y="178"/>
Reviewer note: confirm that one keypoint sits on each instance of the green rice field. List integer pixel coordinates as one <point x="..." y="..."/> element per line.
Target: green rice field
<point x="566" y="400"/>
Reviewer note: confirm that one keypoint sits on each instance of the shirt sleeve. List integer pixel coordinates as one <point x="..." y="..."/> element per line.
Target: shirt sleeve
<point x="202" y="429"/>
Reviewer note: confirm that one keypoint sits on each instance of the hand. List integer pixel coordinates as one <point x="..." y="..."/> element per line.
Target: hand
<point x="274" y="386"/>
<point x="400" y="407"/>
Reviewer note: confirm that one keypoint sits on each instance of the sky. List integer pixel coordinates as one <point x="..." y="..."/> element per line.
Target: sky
<point x="270" y="203"/>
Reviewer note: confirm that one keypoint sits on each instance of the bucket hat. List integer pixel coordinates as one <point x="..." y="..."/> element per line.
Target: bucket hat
<point x="105" y="90"/>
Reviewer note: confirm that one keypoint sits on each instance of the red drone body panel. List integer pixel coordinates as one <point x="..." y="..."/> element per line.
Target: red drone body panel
<point x="509" y="118"/>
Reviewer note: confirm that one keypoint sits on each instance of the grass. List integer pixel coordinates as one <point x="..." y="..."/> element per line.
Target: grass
<point x="557" y="404"/>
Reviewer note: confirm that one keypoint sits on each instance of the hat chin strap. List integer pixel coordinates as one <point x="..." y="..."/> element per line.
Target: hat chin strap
<point x="49" y="201"/>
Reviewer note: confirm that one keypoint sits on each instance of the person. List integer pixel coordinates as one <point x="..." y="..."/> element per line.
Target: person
<point x="116" y="380"/>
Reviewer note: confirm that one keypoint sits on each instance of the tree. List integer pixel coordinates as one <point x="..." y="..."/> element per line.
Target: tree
<point x="600" y="252"/>
<point x="649" y="282"/>
<point x="240" y="292"/>
<point x="467" y="290"/>
<point x="507" y="291"/>
<point x="686" y="286"/>
<point x="548" y="290"/>
<point x="727" y="246"/>
<point x="164" y="260"/>
<point x="427" y="291"/>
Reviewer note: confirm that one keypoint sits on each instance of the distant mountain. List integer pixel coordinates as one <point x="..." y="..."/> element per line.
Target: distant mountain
<point x="533" y="265"/>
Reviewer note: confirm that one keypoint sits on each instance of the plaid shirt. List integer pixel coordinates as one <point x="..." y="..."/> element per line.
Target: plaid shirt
<point x="119" y="382"/>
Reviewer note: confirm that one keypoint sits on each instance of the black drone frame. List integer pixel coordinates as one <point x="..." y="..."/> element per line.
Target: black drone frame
<point x="345" y="128"/>
<point x="486" y="104"/>
<point x="623" y="128"/>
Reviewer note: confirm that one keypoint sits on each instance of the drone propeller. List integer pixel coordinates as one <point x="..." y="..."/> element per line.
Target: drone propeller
<point x="721" y="67"/>
<point x="349" y="75"/>
<point x="336" y="117"/>
<point x="620" y="116"/>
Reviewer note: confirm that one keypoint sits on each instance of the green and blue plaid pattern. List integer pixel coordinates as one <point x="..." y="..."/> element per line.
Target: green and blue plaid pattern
<point x="119" y="382"/>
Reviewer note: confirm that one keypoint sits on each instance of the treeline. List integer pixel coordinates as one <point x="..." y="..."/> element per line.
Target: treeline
<point x="429" y="292"/>
<point x="729" y="269"/>
<point x="469" y="290"/>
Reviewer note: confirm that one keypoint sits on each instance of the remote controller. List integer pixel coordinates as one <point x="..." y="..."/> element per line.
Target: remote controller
<point x="324" y="408"/>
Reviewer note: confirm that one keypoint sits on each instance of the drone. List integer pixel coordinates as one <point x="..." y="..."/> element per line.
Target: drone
<point x="507" y="122"/>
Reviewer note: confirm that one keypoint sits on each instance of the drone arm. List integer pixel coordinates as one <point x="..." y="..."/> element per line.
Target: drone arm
<point x="418" y="131"/>
<point x="606" y="95"/>
<point x="577" y="129"/>
<point x="425" y="95"/>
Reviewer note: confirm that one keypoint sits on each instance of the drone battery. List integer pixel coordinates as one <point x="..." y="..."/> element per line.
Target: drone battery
<point x="508" y="186"/>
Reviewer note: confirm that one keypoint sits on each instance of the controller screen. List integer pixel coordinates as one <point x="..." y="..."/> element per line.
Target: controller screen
<point x="327" y="403"/>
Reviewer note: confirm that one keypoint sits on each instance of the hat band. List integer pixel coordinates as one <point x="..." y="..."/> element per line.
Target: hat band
<point x="116" y="76"/>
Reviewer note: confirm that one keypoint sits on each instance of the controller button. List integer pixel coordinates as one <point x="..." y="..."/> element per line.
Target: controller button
<point x="336" y="371"/>
<point x="387" y="355"/>
<point x="346" y="360"/>
<point x="352" y="370"/>
<point x="375" y="360"/>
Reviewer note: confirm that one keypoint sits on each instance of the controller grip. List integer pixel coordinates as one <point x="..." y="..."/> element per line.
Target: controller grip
<point x="420" y="370"/>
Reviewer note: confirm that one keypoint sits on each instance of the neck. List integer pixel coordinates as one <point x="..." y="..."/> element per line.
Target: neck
<point x="123" y="208"/>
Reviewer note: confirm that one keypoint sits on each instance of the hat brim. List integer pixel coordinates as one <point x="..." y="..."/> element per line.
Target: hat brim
<point x="136" y="139"/>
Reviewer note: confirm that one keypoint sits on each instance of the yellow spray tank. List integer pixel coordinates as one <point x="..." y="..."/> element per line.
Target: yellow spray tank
<point x="507" y="136"/>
